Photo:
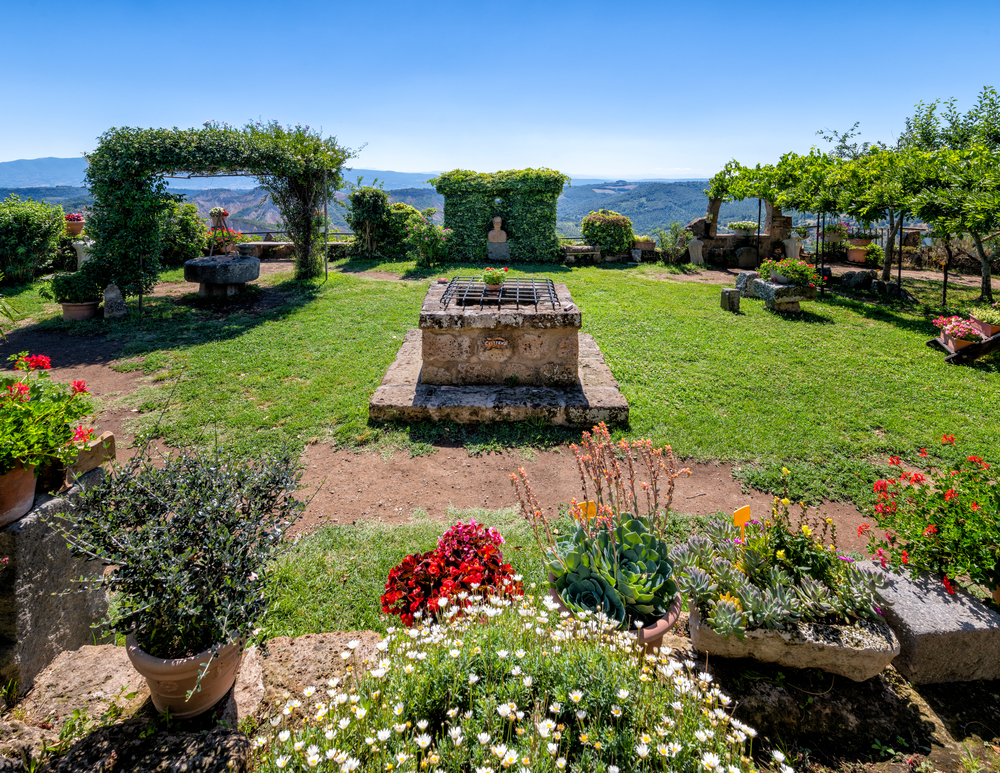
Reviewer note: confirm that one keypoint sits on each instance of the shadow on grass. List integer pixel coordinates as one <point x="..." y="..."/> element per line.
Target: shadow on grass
<point x="176" y="321"/>
<point x="477" y="439"/>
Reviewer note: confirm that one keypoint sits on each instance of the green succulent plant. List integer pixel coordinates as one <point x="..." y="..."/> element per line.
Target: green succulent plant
<point x="631" y="562"/>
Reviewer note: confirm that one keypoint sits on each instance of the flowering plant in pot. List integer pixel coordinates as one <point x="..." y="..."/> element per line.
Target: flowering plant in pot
<point x="743" y="226"/>
<point x="615" y="559"/>
<point x="865" y="235"/>
<point x="493" y="277"/>
<point x="36" y="428"/>
<point x="944" y="521"/>
<point x="958" y="332"/>
<point x="834" y="232"/>
<point x="188" y="542"/>
<point x="791" y="271"/>
<point x="74" y="223"/>
<point x="222" y="240"/>
<point x="466" y="562"/>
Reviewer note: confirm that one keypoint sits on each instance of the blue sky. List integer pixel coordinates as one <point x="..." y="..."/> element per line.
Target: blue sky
<point x="632" y="89"/>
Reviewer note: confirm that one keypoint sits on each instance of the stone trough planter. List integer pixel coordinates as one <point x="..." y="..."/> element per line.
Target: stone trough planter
<point x="858" y="652"/>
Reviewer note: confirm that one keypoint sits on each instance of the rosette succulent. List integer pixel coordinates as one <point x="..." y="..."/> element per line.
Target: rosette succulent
<point x="623" y="571"/>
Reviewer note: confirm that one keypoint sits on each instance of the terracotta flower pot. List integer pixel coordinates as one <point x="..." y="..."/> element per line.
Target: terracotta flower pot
<point x="860" y="242"/>
<point x="833" y="238"/>
<point x="651" y="636"/>
<point x="987" y="329"/>
<point x="856" y="255"/>
<point x="79" y="311"/>
<point x="648" y="246"/>
<point x="955" y="343"/>
<point x="170" y="680"/>
<point x="17" y="493"/>
<point x="996" y="594"/>
<point x="74" y="228"/>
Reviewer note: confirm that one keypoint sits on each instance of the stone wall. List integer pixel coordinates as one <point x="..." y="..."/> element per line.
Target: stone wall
<point x="37" y="621"/>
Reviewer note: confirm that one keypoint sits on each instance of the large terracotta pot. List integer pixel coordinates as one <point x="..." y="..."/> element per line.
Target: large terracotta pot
<point x="74" y="228"/>
<point x="856" y="254"/>
<point x="860" y="242"/>
<point x="17" y="493"/>
<point x="79" y="311"/>
<point x="170" y="680"/>
<point x="651" y="636"/>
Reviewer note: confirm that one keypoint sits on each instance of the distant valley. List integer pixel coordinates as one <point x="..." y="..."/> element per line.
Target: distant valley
<point x="649" y="204"/>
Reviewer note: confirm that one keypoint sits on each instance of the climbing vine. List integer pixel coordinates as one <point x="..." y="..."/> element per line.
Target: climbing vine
<point x="524" y="198"/>
<point x="296" y="165"/>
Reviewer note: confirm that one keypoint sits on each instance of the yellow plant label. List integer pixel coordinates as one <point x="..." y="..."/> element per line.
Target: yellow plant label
<point x="586" y="510"/>
<point x="740" y="518"/>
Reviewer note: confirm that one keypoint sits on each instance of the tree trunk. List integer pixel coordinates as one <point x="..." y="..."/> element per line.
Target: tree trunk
<point x="890" y="246"/>
<point x="986" y="293"/>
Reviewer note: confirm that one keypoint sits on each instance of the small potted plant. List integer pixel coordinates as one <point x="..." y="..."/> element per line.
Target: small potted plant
<point x="223" y="241"/>
<point x="187" y="542"/>
<point x="743" y="227"/>
<point x="987" y="319"/>
<point x="493" y="278"/>
<point x="834" y="233"/>
<point x="957" y="333"/>
<point x="36" y="428"/>
<point x="79" y="293"/>
<point x="74" y="224"/>
<point x="791" y="272"/>
<point x="615" y="560"/>
<point x="218" y="215"/>
<point x="647" y="243"/>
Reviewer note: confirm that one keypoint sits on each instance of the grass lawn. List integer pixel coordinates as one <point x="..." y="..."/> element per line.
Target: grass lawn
<point x="828" y="393"/>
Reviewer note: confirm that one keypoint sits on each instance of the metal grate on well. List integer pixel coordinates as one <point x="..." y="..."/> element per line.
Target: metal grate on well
<point x="471" y="291"/>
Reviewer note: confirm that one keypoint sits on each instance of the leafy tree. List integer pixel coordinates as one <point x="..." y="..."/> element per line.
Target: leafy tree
<point x="184" y="233"/>
<point x="368" y="215"/>
<point x="29" y="236"/>
<point x="960" y="193"/>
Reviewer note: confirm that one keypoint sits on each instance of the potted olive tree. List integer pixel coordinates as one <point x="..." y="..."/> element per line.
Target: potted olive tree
<point x="187" y="541"/>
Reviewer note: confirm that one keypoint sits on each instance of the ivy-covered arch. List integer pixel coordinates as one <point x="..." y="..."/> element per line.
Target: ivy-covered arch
<point x="298" y="167"/>
<point x="527" y="204"/>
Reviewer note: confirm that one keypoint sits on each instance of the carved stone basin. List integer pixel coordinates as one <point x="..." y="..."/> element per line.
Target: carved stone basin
<point x="221" y="275"/>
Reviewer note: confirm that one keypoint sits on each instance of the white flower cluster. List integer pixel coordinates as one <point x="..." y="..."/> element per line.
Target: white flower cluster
<point x="510" y="685"/>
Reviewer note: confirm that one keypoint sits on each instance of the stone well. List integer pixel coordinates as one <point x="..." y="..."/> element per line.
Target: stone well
<point x="219" y="276"/>
<point x="508" y="356"/>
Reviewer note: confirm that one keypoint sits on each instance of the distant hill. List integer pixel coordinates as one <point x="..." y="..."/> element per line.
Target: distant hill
<point x="31" y="172"/>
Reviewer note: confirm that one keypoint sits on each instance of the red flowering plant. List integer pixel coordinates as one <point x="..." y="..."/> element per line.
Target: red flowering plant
<point x="946" y="521"/>
<point x="37" y="415"/>
<point x="221" y="238"/>
<point x="798" y="272"/>
<point x="466" y="566"/>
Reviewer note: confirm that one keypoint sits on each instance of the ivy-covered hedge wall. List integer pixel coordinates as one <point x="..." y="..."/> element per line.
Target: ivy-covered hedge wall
<point x="299" y="168"/>
<point x="524" y="198"/>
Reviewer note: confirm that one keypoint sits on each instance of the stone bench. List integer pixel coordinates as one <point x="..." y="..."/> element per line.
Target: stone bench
<point x="221" y="275"/>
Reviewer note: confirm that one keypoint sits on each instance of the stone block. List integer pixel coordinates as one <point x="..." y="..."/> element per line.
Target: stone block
<point x="744" y="283"/>
<point x="475" y="373"/>
<point x="568" y="349"/>
<point x="943" y="637"/>
<point x="559" y="375"/>
<point x="40" y="614"/>
<point x="779" y="297"/>
<point x="858" y="280"/>
<point x="446" y="347"/>
<point x="746" y="257"/>
<point x="95" y="453"/>
<point x="498" y="252"/>
<point x="730" y="299"/>
<point x="114" y="303"/>
<point x="531" y="346"/>
<point x="494" y="348"/>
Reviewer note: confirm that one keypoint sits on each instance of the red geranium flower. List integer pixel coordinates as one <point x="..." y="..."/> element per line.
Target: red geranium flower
<point x="82" y="434"/>
<point x="948" y="439"/>
<point x="863" y="528"/>
<point x="36" y="361"/>
<point x="950" y="494"/>
<point x="80" y="387"/>
<point x="932" y="529"/>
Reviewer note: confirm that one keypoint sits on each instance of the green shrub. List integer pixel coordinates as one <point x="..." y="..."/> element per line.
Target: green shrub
<point x="874" y="256"/>
<point x="184" y="234"/>
<point x="368" y="215"/>
<point x="430" y="241"/>
<point x="29" y="237"/>
<point x="673" y="242"/>
<point x="82" y="287"/>
<point x="400" y="215"/>
<point x="609" y="231"/>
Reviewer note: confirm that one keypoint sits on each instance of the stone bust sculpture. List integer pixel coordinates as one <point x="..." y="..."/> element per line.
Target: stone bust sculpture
<point x="496" y="236"/>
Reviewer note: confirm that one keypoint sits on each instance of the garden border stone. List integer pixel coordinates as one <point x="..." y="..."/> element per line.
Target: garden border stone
<point x="858" y="652"/>
<point x="943" y="637"/>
